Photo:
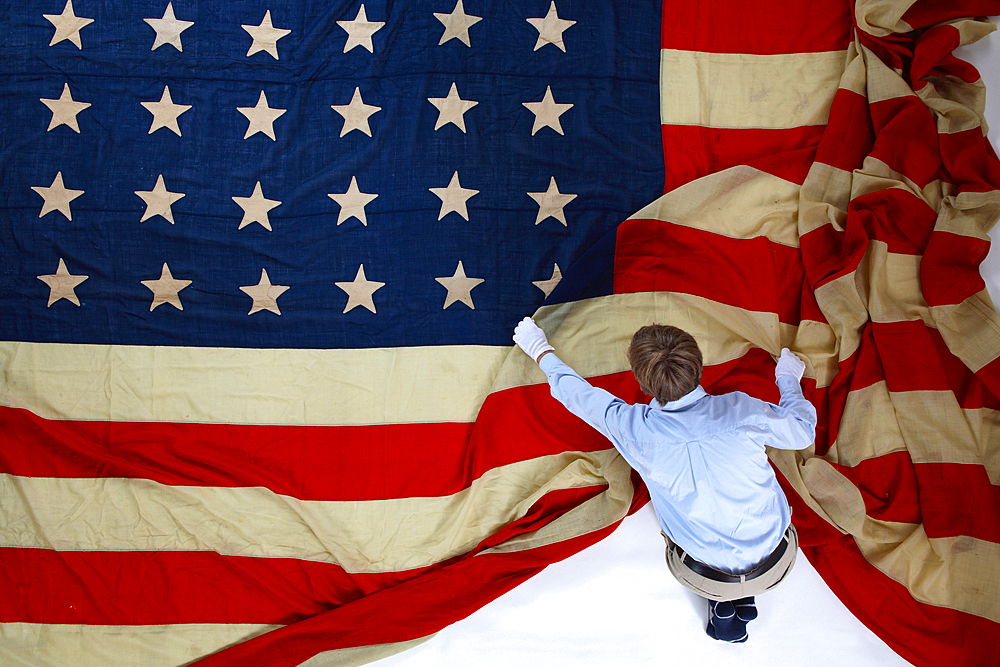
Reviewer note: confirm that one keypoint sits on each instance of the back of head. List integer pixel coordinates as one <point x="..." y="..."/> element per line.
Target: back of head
<point x="666" y="361"/>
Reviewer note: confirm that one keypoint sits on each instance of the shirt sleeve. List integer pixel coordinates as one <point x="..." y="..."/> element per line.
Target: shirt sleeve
<point x="795" y="423"/>
<point x="601" y="409"/>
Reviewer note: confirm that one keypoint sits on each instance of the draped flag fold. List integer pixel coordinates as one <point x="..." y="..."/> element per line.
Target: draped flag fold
<point x="259" y="266"/>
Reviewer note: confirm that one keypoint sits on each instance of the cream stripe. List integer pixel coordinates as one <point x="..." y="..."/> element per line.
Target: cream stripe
<point x="968" y="213"/>
<point x="959" y="573"/>
<point x="957" y="106"/>
<point x="930" y="425"/>
<point x="593" y="335"/>
<point x="360" y="536"/>
<point x="361" y="655"/>
<point x="855" y="77"/>
<point x="735" y="90"/>
<point x="885" y="287"/>
<point x="599" y="512"/>
<point x="875" y="176"/>
<point x="882" y="17"/>
<point x="883" y="82"/>
<point x="40" y="645"/>
<point x="971" y="330"/>
<point x="134" y="384"/>
<point x="824" y="198"/>
<point x="740" y="202"/>
<point x="248" y="386"/>
<point x="828" y="191"/>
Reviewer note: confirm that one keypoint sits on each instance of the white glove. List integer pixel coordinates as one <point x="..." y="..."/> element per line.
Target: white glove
<point x="789" y="364"/>
<point x="530" y="338"/>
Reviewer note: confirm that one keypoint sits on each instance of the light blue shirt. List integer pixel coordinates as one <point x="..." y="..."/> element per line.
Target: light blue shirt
<point x="703" y="459"/>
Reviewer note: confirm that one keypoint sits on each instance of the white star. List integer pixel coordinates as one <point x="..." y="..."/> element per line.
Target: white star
<point x="551" y="203"/>
<point x="360" y="290"/>
<point x="261" y="117"/>
<point x="57" y="197"/>
<point x="457" y="24"/>
<point x="64" y="109"/>
<point x="67" y="25"/>
<point x="255" y="208"/>
<point x="550" y="28"/>
<point x="548" y="285"/>
<point x="158" y="201"/>
<point x="168" y="29"/>
<point x="451" y="109"/>
<point x="459" y="287"/>
<point x="165" y="112"/>
<point x="264" y="294"/>
<point x="360" y="31"/>
<point x="356" y="114"/>
<point x="62" y="284"/>
<point x="454" y="198"/>
<point x="265" y="36"/>
<point x="352" y="203"/>
<point x="547" y="112"/>
<point x="165" y="289"/>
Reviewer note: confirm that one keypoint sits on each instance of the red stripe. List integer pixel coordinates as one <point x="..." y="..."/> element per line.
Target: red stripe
<point x="932" y="57"/>
<point x="989" y="375"/>
<point x="164" y="587"/>
<point x="907" y="138"/>
<point x="941" y="483"/>
<point x="849" y="133"/>
<point x="925" y="14"/>
<point x="765" y="27"/>
<point x="120" y="588"/>
<point x="305" y="462"/>
<point x="300" y="461"/>
<point x="414" y="609"/>
<point x="925" y="635"/>
<point x="754" y="274"/>
<point x="914" y="357"/>
<point x="893" y="216"/>
<point x="692" y="151"/>
<point x="969" y="159"/>
<point x="828" y="253"/>
<point x="896" y="217"/>
<point x="894" y="488"/>
<point x="908" y="356"/>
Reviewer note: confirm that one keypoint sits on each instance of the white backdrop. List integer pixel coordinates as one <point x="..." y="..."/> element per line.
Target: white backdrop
<point x="616" y="604"/>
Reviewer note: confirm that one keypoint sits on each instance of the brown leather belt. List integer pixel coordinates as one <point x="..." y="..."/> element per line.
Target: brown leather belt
<point x="715" y="575"/>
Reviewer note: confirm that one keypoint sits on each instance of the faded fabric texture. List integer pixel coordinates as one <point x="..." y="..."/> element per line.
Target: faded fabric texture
<point x="258" y="276"/>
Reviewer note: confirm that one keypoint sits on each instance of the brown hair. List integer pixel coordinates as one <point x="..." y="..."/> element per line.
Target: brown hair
<point x="665" y="360"/>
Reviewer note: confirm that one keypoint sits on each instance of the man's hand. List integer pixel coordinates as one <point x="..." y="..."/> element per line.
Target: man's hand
<point x="789" y="364"/>
<point x="530" y="338"/>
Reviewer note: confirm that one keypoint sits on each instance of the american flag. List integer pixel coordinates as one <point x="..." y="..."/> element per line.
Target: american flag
<point x="260" y="264"/>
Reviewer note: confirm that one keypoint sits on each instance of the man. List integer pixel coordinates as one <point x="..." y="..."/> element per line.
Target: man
<point x="726" y="522"/>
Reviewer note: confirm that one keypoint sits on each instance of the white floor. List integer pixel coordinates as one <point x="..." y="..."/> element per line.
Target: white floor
<point x="616" y="604"/>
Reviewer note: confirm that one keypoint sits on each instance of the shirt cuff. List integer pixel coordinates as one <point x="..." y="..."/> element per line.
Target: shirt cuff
<point x="546" y="362"/>
<point x="788" y="383"/>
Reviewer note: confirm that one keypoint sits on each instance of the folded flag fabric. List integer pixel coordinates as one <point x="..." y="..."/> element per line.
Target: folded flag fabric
<point x="846" y="218"/>
<point x="259" y="403"/>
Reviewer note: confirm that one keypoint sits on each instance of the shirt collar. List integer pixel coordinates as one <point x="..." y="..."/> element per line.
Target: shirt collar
<point x="682" y="402"/>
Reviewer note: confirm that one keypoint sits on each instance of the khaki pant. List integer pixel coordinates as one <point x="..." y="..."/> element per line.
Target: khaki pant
<point x="722" y="590"/>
